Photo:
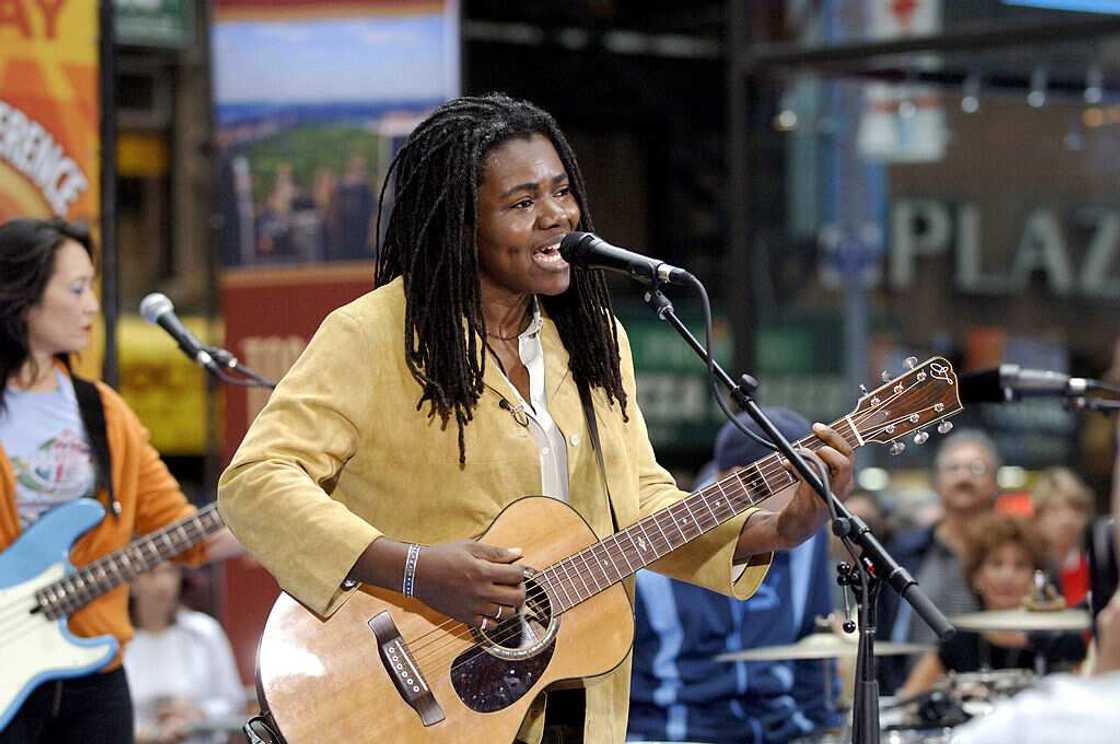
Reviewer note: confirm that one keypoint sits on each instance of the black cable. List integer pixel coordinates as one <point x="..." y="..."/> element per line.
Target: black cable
<point x="699" y="287"/>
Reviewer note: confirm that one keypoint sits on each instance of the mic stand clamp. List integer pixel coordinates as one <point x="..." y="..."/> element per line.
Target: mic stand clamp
<point x="874" y="563"/>
<point x="227" y="361"/>
<point x="1100" y="405"/>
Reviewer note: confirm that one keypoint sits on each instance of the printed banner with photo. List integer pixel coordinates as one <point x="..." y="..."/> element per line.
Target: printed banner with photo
<point x="312" y="100"/>
<point x="49" y="110"/>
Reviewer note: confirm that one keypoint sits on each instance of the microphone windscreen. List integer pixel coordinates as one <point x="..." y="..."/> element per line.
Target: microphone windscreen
<point x="575" y="245"/>
<point x="983" y="386"/>
<point x="155" y="305"/>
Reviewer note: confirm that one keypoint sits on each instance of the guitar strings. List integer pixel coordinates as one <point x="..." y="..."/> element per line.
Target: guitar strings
<point x="421" y="648"/>
<point x="776" y="466"/>
<point x="74" y="599"/>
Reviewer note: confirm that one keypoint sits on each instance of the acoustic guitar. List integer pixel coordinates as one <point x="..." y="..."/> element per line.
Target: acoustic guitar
<point x="387" y="668"/>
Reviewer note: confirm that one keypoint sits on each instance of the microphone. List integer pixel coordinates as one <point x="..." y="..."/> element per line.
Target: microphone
<point x="586" y="249"/>
<point x="156" y="308"/>
<point x="1010" y="382"/>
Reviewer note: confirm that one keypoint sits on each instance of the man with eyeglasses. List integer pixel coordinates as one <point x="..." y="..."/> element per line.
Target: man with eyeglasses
<point x="964" y="477"/>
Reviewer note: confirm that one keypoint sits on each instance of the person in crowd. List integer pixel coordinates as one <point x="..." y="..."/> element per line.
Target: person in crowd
<point x="1063" y="508"/>
<point x="355" y="203"/>
<point x="64" y="438"/>
<point x="680" y="692"/>
<point x="1002" y="552"/>
<point x="964" y="478"/>
<point x="422" y="409"/>
<point x="180" y="665"/>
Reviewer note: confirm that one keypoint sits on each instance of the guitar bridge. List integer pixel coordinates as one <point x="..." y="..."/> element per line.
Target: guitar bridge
<point x="402" y="669"/>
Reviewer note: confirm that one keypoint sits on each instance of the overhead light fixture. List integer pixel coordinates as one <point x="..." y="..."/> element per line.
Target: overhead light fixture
<point x="786" y="120"/>
<point x="1094" y="84"/>
<point x="970" y="94"/>
<point x="1037" y="97"/>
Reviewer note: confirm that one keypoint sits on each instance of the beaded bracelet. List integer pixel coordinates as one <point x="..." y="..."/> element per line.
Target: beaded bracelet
<point x="409" y="583"/>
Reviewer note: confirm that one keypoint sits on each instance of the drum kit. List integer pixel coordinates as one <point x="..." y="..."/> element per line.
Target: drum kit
<point x="958" y="697"/>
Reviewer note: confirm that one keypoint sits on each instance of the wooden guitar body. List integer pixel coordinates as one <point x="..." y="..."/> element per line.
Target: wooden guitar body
<point x="334" y="679"/>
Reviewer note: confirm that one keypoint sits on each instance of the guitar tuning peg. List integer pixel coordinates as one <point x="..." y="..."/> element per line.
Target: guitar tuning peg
<point x="897" y="448"/>
<point x="921" y="437"/>
<point x="945" y="427"/>
<point x="863" y="389"/>
<point x="911" y="362"/>
<point x="885" y="376"/>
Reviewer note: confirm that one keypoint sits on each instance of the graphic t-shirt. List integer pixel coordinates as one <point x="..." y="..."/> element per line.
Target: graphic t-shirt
<point x="45" y="441"/>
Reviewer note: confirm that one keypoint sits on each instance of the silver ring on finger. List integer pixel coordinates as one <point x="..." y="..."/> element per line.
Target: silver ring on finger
<point x="498" y="614"/>
<point x="482" y="625"/>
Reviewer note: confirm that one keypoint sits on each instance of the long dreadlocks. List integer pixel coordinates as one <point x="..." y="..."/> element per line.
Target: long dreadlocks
<point x="431" y="241"/>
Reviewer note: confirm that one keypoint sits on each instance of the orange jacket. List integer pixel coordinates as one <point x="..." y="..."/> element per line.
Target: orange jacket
<point x="149" y="497"/>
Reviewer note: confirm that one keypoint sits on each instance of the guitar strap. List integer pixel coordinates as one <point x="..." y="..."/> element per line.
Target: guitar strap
<point x="593" y="433"/>
<point x="92" y="412"/>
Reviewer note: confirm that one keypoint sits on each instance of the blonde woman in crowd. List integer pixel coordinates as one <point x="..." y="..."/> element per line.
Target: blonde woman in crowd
<point x="1063" y="507"/>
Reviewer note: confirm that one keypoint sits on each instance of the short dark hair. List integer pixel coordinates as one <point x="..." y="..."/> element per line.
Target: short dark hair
<point x="431" y="242"/>
<point x="27" y="251"/>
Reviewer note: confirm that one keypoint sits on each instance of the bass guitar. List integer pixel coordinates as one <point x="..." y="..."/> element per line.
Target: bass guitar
<point x="387" y="668"/>
<point x="40" y="589"/>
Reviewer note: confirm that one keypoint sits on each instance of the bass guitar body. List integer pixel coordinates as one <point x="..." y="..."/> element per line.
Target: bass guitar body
<point x="34" y="647"/>
<point x="385" y="667"/>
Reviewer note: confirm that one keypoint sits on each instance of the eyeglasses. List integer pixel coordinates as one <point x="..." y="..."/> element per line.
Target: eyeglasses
<point x="975" y="468"/>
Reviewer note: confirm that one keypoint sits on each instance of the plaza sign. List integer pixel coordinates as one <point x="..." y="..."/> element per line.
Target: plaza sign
<point x="1084" y="267"/>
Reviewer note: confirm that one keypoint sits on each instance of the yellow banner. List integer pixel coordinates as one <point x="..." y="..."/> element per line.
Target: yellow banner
<point x="49" y="109"/>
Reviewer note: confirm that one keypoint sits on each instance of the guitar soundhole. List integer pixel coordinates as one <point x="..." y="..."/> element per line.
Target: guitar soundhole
<point x="522" y="635"/>
<point x="509" y="658"/>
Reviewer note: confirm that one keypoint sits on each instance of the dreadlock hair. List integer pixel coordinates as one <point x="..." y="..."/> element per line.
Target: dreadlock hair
<point x="27" y="251"/>
<point x="431" y="241"/>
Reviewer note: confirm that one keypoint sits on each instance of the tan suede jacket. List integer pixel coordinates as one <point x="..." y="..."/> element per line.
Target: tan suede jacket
<point x="340" y="455"/>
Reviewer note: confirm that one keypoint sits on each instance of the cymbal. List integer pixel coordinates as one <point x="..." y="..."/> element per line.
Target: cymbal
<point x="1025" y="620"/>
<point x="821" y="646"/>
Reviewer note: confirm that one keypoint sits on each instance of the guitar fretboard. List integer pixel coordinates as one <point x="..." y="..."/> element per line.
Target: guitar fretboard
<point x="584" y="574"/>
<point x="81" y="587"/>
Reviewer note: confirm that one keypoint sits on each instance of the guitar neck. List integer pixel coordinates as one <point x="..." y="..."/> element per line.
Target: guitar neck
<point x="81" y="587"/>
<point x="603" y="564"/>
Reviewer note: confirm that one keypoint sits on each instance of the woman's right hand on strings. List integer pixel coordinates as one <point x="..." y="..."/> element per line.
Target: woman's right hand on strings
<point x="470" y="581"/>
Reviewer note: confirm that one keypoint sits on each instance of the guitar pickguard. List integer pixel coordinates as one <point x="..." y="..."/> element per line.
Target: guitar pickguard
<point x="486" y="683"/>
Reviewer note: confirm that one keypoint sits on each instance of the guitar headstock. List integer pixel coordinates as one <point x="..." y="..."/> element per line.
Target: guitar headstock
<point x="924" y="395"/>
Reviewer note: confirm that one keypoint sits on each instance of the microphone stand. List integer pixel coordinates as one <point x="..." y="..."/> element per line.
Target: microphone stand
<point x="873" y="564"/>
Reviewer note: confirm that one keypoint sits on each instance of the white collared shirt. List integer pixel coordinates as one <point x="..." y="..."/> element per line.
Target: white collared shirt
<point x="538" y="422"/>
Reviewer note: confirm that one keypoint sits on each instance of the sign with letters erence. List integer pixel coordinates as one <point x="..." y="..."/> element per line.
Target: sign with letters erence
<point x="49" y="109"/>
